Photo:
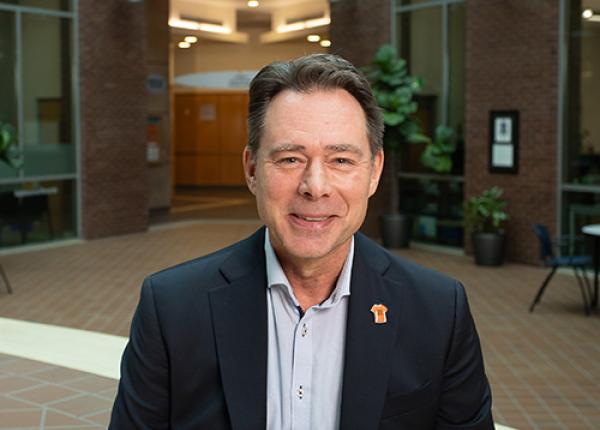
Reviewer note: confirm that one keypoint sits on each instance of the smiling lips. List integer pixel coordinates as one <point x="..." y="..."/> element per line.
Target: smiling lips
<point x="312" y="220"/>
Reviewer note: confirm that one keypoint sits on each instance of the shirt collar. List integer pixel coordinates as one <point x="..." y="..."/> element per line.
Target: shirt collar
<point x="276" y="275"/>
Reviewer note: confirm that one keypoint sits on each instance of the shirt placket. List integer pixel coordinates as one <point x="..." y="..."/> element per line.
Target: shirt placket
<point x="302" y="373"/>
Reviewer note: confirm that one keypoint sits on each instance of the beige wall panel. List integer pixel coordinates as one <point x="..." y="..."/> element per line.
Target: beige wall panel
<point x="233" y="112"/>
<point x="197" y="170"/>
<point x="231" y="170"/>
<point x="207" y="122"/>
<point x="185" y="124"/>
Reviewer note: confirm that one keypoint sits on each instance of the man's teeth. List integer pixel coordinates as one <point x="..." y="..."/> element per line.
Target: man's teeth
<point x="311" y="219"/>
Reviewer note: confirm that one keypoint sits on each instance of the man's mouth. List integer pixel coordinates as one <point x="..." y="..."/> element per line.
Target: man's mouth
<point x="312" y="218"/>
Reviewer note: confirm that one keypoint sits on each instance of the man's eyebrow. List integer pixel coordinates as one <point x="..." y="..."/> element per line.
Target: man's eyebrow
<point x="344" y="148"/>
<point x="286" y="147"/>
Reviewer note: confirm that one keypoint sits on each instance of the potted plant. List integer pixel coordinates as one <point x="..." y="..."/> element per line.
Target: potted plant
<point x="438" y="152"/>
<point x="9" y="152"/>
<point x="484" y="216"/>
<point x="394" y="90"/>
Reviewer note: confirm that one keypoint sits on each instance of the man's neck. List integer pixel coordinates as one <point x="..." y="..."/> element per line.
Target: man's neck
<point x="313" y="281"/>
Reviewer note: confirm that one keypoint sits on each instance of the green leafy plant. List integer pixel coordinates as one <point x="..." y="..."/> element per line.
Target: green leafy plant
<point x="485" y="213"/>
<point x="438" y="152"/>
<point x="9" y="152"/>
<point x="394" y="90"/>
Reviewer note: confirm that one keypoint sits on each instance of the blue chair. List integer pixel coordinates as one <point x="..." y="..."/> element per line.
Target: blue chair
<point x="576" y="262"/>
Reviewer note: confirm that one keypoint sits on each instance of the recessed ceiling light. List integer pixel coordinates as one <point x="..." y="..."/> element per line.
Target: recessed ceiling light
<point x="252" y="3"/>
<point x="587" y="14"/>
<point x="184" y="44"/>
<point x="313" y="37"/>
<point x="325" y="43"/>
<point x="191" y="39"/>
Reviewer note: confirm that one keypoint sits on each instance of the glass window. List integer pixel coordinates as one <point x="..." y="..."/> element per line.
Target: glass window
<point x="420" y="44"/>
<point x="61" y="5"/>
<point x="8" y="102"/>
<point x="47" y="128"/>
<point x="579" y="209"/>
<point x="436" y="208"/>
<point x="36" y="212"/>
<point x="432" y="40"/>
<point x="582" y="139"/>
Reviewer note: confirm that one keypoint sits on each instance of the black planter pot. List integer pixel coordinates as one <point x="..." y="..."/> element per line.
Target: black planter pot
<point x="395" y="230"/>
<point x="488" y="248"/>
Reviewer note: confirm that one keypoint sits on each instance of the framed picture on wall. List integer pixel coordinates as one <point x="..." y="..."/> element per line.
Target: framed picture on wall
<point x="504" y="141"/>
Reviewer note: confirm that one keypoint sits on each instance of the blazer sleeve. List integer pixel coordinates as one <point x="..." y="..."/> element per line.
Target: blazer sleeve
<point x="142" y="400"/>
<point x="465" y="397"/>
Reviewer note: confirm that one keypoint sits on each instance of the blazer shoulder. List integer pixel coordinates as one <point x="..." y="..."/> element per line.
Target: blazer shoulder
<point x="208" y="271"/>
<point x="400" y="269"/>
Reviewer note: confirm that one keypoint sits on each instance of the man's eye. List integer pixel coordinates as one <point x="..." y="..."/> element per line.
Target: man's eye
<point x="341" y="160"/>
<point x="288" y="161"/>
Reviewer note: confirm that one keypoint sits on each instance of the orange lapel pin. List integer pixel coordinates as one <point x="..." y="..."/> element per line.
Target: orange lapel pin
<point x="379" y="313"/>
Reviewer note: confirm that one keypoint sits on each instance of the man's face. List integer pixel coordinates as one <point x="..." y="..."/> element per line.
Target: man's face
<point x="313" y="172"/>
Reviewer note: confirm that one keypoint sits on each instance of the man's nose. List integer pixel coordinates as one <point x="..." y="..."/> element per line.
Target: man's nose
<point x="315" y="181"/>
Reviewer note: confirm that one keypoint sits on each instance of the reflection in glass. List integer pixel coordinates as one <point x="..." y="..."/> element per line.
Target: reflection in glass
<point x="436" y="208"/>
<point x="35" y="212"/>
<point x="47" y="128"/>
<point x="579" y="209"/>
<point x="456" y="81"/>
<point x="582" y="138"/>
<point x="8" y="100"/>
<point x="420" y="44"/>
<point x="62" y="5"/>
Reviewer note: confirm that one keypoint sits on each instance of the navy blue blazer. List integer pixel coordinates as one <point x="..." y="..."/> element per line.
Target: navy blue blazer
<point x="197" y="355"/>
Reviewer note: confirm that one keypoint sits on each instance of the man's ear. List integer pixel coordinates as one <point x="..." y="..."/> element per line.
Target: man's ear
<point x="249" y="163"/>
<point x="376" y="169"/>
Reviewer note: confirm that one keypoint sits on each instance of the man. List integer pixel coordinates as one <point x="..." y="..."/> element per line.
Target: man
<point x="306" y="324"/>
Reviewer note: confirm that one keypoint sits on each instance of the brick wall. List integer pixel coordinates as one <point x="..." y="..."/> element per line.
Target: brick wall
<point x="357" y="30"/>
<point x="512" y="63"/>
<point x="358" y="27"/>
<point x="113" y="117"/>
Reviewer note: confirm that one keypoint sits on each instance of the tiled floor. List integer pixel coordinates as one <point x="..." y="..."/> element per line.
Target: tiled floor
<point x="544" y="367"/>
<point x="35" y="395"/>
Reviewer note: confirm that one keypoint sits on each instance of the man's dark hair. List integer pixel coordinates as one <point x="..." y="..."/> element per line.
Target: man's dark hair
<point x="312" y="73"/>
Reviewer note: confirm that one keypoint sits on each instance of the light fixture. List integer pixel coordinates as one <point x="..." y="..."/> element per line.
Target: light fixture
<point x="313" y="37"/>
<point x="301" y="25"/>
<point x="184" y="44"/>
<point x="587" y="14"/>
<point x="325" y="43"/>
<point x="190" y="39"/>
<point x="195" y="25"/>
<point x="252" y="3"/>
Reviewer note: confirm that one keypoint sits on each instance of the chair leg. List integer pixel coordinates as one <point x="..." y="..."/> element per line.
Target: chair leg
<point x="5" y="278"/>
<point x="590" y="288"/>
<point x="586" y="306"/>
<point x="538" y="296"/>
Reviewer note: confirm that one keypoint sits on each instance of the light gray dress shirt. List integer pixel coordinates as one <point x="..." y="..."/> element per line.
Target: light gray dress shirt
<point x="305" y="352"/>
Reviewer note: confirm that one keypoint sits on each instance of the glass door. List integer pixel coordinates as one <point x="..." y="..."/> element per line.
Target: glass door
<point x="38" y="199"/>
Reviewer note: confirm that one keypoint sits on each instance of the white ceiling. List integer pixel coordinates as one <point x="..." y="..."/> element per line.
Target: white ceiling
<point x="227" y="19"/>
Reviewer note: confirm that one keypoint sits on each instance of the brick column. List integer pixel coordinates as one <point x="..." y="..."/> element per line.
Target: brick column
<point x="512" y="63"/>
<point x="113" y="117"/>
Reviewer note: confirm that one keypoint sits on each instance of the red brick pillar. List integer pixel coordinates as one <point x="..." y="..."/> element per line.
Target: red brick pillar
<point x="113" y="117"/>
<point x="512" y="63"/>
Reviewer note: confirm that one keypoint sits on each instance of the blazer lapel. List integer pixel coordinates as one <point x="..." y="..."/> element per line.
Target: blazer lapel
<point x="368" y="345"/>
<point x="239" y="314"/>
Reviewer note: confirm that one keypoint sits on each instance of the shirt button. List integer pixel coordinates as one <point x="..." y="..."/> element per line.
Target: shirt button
<point x="304" y="331"/>
<point x="300" y="392"/>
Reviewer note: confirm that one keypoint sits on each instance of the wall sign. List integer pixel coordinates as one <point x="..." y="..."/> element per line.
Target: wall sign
<point x="504" y="142"/>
